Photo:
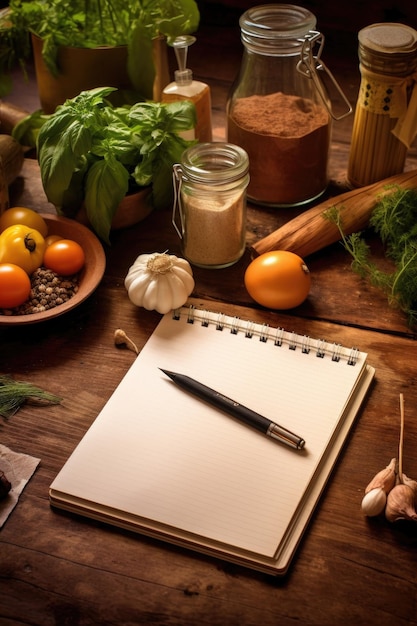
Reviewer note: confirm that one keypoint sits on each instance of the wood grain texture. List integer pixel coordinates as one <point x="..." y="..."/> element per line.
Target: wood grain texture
<point x="58" y="569"/>
<point x="311" y="231"/>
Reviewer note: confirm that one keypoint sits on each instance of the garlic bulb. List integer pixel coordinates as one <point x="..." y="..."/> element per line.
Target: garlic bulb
<point x="385" y="479"/>
<point x="374" y="502"/>
<point x="159" y="282"/>
<point x="400" y="504"/>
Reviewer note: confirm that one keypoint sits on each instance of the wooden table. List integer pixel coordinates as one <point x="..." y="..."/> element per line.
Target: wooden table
<point x="57" y="569"/>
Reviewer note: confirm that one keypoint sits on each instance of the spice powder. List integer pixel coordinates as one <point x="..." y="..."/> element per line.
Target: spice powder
<point x="214" y="233"/>
<point x="287" y="139"/>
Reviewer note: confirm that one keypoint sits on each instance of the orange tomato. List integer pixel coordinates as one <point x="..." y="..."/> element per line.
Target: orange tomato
<point x="278" y="280"/>
<point x="24" y="216"/>
<point x="65" y="257"/>
<point x="51" y="239"/>
<point x="14" y="286"/>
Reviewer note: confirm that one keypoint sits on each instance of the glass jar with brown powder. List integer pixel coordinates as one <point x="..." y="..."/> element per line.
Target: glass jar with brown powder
<point x="278" y="110"/>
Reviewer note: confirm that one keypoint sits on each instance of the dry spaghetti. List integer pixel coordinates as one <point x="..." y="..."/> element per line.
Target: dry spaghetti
<point x="383" y="125"/>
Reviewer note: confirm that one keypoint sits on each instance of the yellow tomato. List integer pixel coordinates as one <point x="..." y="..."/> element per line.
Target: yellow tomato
<point x="22" y="215"/>
<point x="278" y="280"/>
<point x="22" y="246"/>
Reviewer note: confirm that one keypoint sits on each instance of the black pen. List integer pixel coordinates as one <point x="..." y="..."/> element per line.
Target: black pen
<point x="240" y="412"/>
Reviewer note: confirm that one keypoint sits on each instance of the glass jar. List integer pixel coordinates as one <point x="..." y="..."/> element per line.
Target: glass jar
<point x="385" y="119"/>
<point x="209" y="212"/>
<point x="278" y="109"/>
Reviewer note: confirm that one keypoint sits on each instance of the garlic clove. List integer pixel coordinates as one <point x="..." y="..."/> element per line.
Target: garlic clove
<point x="400" y="504"/>
<point x="385" y="479"/>
<point x="122" y="340"/>
<point x="373" y="502"/>
<point x="410" y="483"/>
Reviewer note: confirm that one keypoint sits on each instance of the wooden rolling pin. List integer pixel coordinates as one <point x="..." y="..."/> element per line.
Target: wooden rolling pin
<point x="310" y="231"/>
<point x="11" y="161"/>
<point x="11" y="157"/>
<point x="10" y="115"/>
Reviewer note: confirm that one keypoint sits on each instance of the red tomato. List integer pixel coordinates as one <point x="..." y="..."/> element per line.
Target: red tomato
<point x="278" y="280"/>
<point x="14" y="286"/>
<point x="65" y="257"/>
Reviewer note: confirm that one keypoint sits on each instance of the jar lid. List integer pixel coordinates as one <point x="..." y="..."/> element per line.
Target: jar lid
<point x="276" y="28"/>
<point x="388" y="47"/>
<point x="215" y="162"/>
<point x="389" y="38"/>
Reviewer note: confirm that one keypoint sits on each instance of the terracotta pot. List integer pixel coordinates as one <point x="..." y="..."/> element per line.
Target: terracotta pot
<point x="133" y="209"/>
<point x="86" y="68"/>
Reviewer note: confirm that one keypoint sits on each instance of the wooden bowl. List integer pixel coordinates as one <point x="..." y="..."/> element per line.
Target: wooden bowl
<point x="90" y="275"/>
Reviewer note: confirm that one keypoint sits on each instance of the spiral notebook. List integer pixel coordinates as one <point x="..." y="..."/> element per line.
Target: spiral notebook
<point x="162" y="462"/>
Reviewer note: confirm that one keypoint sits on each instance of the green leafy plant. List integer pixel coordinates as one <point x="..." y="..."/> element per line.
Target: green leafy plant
<point x="92" y="152"/>
<point x="394" y="219"/>
<point x="90" y="24"/>
<point x="14" y="393"/>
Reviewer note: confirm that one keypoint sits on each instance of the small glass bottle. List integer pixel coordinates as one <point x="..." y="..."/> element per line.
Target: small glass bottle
<point x="209" y="212"/>
<point x="385" y="119"/>
<point x="278" y="109"/>
<point x="186" y="88"/>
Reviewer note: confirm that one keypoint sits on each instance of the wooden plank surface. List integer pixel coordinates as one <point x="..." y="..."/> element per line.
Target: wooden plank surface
<point x="55" y="564"/>
<point x="57" y="569"/>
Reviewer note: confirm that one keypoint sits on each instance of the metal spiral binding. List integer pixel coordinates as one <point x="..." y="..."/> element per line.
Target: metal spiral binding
<point x="235" y="325"/>
<point x="305" y="346"/>
<point x="279" y="336"/>
<point x="293" y="341"/>
<point x="321" y="349"/>
<point x="263" y="336"/>
<point x="249" y="329"/>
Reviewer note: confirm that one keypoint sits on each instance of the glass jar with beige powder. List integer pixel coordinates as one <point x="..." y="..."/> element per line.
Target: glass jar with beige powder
<point x="210" y="203"/>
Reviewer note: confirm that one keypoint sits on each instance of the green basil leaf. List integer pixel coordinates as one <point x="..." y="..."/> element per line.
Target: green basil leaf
<point x="27" y="130"/>
<point x="106" y="185"/>
<point x="57" y="164"/>
<point x="181" y="116"/>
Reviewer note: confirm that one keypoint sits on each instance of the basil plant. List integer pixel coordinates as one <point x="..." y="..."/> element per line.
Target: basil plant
<point x="92" y="152"/>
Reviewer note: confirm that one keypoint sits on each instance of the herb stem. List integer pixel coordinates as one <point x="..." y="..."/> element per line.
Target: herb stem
<point x="394" y="219"/>
<point x="14" y="393"/>
<point x="401" y="443"/>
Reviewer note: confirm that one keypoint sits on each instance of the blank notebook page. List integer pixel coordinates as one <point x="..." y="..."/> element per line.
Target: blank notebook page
<point x="161" y="454"/>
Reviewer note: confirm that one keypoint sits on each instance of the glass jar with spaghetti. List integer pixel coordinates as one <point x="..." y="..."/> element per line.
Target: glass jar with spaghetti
<point x="385" y="121"/>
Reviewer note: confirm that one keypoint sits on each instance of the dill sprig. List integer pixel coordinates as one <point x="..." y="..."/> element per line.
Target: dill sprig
<point x="14" y="393"/>
<point x="394" y="220"/>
